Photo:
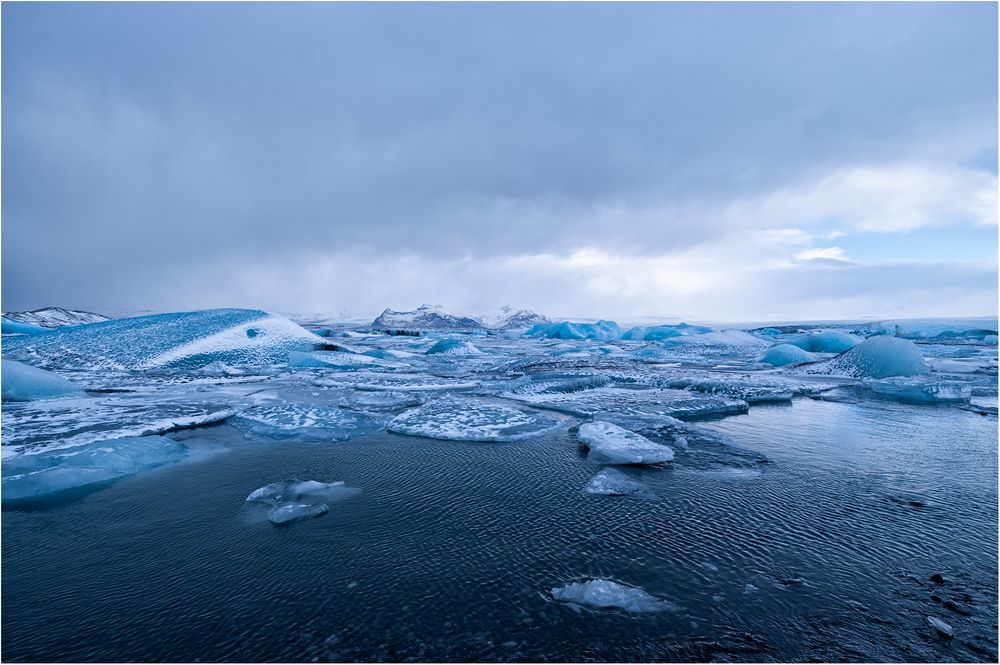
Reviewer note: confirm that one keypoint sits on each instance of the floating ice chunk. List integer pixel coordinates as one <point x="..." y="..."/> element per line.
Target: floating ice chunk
<point x="828" y="341"/>
<point x="612" y="444"/>
<point x="180" y="339"/>
<point x="37" y="475"/>
<point x="454" y="347"/>
<point x="332" y="360"/>
<point x="458" y="419"/>
<point x="874" y="358"/>
<point x="301" y="491"/>
<point x="602" y="330"/>
<point x="307" y="422"/>
<point x="601" y="593"/>
<point x="290" y="512"/>
<point x="615" y="483"/>
<point x="941" y="626"/>
<point x="24" y="383"/>
<point x="386" y="354"/>
<point x="786" y="354"/>
<point x="11" y="327"/>
<point x="920" y="390"/>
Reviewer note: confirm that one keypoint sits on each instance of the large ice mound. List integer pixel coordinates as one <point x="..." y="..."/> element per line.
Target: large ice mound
<point x="463" y="419"/>
<point x="602" y="330"/>
<point x="875" y="358"/>
<point x="30" y="476"/>
<point x="179" y="339"/>
<point x="828" y="341"/>
<point x="611" y="444"/>
<point x="786" y="354"/>
<point x="602" y="594"/>
<point x="24" y="383"/>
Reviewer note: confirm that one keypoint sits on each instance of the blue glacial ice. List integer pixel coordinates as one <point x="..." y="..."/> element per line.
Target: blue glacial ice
<point x="303" y="422"/>
<point x="875" y="358"/>
<point x="30" y="476"/>
<point x="603" y="594"/>
<point x="340" y="360"/>
<point x="827" y="341"/>
<point x="11" y="327"/>
<point x="656" y="333"/>
<point x="180" y="339"/>
<point x="602" y="330"/>
<point x="611" y="444"/>
<point x="612" y="482"/>
<point x="780" y="355"/>
<point x="454" y="347"/>
<point x="24" y="383"/>
<point x="466" y="419"/>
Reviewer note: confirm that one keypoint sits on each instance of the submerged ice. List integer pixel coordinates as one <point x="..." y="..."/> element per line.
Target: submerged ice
<point x="464" y="419"/>
<point x="604" y="594"/>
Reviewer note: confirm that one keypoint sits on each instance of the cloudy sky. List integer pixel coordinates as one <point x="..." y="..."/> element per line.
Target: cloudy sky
<point x="710" y="162"/>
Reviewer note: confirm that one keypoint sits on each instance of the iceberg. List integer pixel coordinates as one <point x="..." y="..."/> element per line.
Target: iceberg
<point x="827" y="341"/>
<point x="11" y="327"/>
<point x="464" y="419"/>
<point x="304" y="422"/>
<point x="875" y="358"/>
<point x="656" y="333"/>
<point x="425" y="317"/>
<point x="24" y="383"/>
<point x="602" y="330"/>
<point x="613" y="482"/>
<point x="519" y="320"/>
<point x="179" y="339"/>
<point x="612" y="444"/>
<point x="454" y="347"/>
<point x="602" y="594"/>
<point x="786" y="354"/>
<point x="31" y="476"/>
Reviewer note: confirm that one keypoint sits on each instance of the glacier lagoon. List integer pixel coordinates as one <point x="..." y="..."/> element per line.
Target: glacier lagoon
<point x="435" y="506"/>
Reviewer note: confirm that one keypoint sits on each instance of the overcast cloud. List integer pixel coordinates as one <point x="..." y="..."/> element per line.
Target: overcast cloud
<point x="714" y="162"/>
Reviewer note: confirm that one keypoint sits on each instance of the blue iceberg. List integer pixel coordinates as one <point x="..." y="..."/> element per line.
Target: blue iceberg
<point x="24" y="383"/>
<point x="786" y="354"/>
<point x="11" y="327"/>
<point x="602" y="330"/>
<point x="828" y="341"/>
<point x="875" y="358"/>
<point x="656" y="333"/>
<point x="179" y="339"/>
<point x="454" y="347"/>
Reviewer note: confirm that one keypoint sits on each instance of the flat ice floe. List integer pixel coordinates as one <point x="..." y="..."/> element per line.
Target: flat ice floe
<point x="396" y="382"/>
<point x="463" y="419"/>
<point x="613" y="482"/>
<point x="38" y="475"/>
<point x="305" y="422"/>
<point x="611" y="444"/>
<point x="603" y="594"/>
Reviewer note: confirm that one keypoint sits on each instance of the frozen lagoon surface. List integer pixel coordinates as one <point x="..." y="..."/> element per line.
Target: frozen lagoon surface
<point x="835" y="499"/>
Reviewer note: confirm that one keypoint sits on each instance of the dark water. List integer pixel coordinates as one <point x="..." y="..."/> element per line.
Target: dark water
<point x="450" y="550"/>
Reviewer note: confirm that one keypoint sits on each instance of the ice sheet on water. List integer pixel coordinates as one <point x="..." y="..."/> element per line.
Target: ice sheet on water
<point x="603" y="594"/>
<point x="827" y="341"/>
<point x="635" y="408"/>
<point x="340" y="360"/>
<point x="395" y="382"/>
<point x="610" y="444"/>
<point x="465" y="419"/>
<point x="786" y="354"/>
<point x="24" y="383"/>
<point x="32" y="476"/>
<point x="179" y="339"/>
<point x="454" y="347"/>
<point x="875" y="358"/>
<point x="304" y="422"/>
<point x="613" y="482"/>
<point x="381" y="400"/>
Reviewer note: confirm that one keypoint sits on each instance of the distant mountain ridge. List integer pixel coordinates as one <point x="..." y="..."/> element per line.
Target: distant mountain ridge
<point x="55" y="317"/>
<point x="433" y="317"/>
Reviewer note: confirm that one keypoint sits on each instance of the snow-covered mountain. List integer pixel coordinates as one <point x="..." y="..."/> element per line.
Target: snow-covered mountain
<point x="55" y="317"/>
<point x="425" y="317"/>
<point x="522" y="318"/>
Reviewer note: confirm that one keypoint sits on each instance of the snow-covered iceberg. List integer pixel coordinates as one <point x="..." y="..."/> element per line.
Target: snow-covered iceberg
<point x="425" y="317"/>
<point x="519" y="320"/>
<point x="875" y="358"/>
<point x="24" y="383"/>
<point x="611" y="444"/>
<point x="603" y="594"/>
<point x="462" y="419"/>
<point x="786" y="354"/>
<point x="602" y="330"/>
<point x="31" y="476"/>
<point x="179" y="339"/>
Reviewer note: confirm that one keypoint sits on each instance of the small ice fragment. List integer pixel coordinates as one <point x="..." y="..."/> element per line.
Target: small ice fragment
<point x="615" y="445"/>
<point x="710" y="567"/>
<point x="289" y="512"/>
<point x="749" y="588"/>
<point x="941" y="626"/>
<point x="615" y="483"/>
<point x="603" y="593"/>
